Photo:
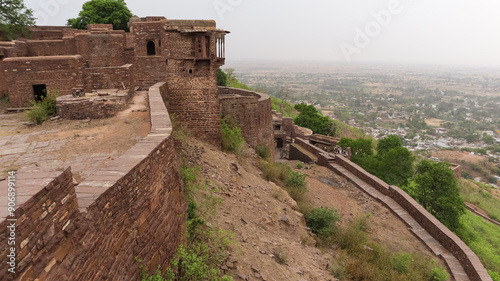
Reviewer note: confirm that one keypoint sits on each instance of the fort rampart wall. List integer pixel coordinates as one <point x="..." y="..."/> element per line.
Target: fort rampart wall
<point x="252" y="111"/>
<point x="133" y="207"/>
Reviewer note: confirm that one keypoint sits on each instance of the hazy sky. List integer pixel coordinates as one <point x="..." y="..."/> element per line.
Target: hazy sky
<point x="447" y="32"/>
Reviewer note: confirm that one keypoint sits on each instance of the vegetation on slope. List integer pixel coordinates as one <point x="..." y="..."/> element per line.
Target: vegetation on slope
<point x="481" y="197"/>
<point x="484" y="241"/>
<point x="207" y="246"/>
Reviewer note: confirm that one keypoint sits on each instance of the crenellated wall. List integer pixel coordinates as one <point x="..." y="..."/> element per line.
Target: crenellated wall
<point x="252" y="111"/>
<point x="133" y="207"/>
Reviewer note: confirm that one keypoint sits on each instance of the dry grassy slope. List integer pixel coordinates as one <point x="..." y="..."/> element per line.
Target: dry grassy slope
<point x="262" y="218"/>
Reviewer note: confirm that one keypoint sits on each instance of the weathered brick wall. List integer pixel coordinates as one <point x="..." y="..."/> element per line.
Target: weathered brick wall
<point x="46" y="212"/>
<point x="195" y="103"/>
<point x="97" y="107"/>
<point x="295" y="153"/>
<point x="60" y="73"/>
<point x="252" y="111"/>
<point x="468" y="259"/>
<point x="105" y="50"/>
<point x="309" y="147"/>
<point x="134" y="207"/>
<point x="457" y="170"/>
<point x="116" y="77"/>
<point x="47" y="32"/>
<point x="65" y="46"/>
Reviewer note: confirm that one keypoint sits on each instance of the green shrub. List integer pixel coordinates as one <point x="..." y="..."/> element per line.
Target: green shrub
<point x="231" y="137"/>
<point x="494" y="275"/>
<point x="299" y="166"/>
<point x="352" y="237"/>
<point x="263" y="151"/>
<point x="274" y="171"/>
<point x="37" y="115"/>
<point x="296" y="179"/>
<point x="41" y="110"/>
<point x="321" y="220"/>
<point x="402" y="262"/>
<point x="439" y="274"/>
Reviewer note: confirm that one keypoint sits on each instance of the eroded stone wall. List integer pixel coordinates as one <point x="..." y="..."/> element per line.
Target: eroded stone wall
<point x="133" y="207"/>
<point x="61" y="73"/>
<point x="252" y="111"/>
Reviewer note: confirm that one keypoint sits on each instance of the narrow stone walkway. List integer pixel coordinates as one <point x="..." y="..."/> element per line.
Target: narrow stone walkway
<point x="453" y="264"/>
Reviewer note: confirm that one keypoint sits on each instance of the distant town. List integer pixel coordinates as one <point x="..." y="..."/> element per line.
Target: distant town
<point x="432" y="109"/>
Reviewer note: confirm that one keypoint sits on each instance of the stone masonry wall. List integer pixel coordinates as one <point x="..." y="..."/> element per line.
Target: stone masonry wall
<point x="252" y="111"/>
<point x="468" y="259"/>
<point x="104" y="104"/>
<point x="133" y="207"/>
<point x="118" y="77"/>
<point x="195" y="104"/>
<point x="61" y="47"/>
<point x="47" y="210"/>
<point x="61" y="73"/>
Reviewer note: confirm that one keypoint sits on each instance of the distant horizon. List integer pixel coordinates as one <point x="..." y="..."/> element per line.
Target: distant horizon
<point x="443" y="33"/>
<point x="230" y="62"/>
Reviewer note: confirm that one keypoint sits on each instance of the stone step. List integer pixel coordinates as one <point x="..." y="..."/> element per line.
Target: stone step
<point x="453" y="264"/>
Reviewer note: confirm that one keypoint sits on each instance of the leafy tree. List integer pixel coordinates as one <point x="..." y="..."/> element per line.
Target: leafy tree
<point x="113" y="12"/>
<point x="470" y="138"/>
<point x="437" y="191"/>
<point x="388" y="143"/>
<point x="221" y="78"/>
<point x="488" y="139"/>
<point x="360" y="148"/>
<point x="14" y="19"/>
<point x="396" y="166"/>
<point x="311" y="119"/>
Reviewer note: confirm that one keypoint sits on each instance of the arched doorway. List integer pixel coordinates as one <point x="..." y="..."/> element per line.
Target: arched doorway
<point x="151" y="48"/>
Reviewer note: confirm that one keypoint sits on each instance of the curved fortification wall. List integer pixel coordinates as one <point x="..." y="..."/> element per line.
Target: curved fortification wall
<point x="468" y="259"/>
<point x="252" y="110"/>
<point x="133" y="207"/>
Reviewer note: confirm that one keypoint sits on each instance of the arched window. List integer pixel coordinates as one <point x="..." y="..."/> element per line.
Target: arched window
<point x="151" y="48"/>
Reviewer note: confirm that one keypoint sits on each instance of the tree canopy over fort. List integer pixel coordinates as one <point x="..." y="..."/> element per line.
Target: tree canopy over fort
<point x="113" y="12"/>
<point x="14" y="19"/>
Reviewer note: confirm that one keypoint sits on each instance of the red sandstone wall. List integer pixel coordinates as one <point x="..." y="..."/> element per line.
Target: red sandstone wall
<point x="309" y="147"/>
<point x="134" y="207"/>
<point x="108" y="78"/>
<point x="195" y="103"/>
<point x="60" y="73"/>
<point x="61" y="47"/>
<point x="252" y="111"/>
<point x="46" y="215"/>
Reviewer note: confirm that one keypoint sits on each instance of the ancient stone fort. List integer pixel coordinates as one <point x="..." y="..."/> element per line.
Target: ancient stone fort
<point x="134" y="206"/>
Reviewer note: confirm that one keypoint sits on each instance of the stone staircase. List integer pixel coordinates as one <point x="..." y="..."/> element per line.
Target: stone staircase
<point x="453" y="264"/>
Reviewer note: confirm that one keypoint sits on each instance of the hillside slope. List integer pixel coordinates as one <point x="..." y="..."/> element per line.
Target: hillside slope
<point x="263" y="218"/>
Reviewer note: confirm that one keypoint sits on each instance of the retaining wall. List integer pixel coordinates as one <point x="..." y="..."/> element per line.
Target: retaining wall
<point x="252" y="111"/>
<point x="468" y="259"/>
<point x="133" y="207"/>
